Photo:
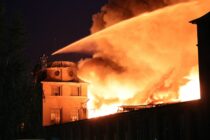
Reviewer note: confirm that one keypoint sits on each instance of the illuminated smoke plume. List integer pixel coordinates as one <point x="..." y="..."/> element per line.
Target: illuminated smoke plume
<point x="118" y="10"/>
<point x="142" y="60"/>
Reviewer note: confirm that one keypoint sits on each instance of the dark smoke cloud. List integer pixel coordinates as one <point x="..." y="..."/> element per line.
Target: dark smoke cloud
<point x="118" y="10"/>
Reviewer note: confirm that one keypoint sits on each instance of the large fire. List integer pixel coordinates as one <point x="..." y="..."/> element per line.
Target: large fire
<point x="149" y="59"/>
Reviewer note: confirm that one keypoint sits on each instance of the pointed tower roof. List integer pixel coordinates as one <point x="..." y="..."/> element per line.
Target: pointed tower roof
<point x="203" y="19"/>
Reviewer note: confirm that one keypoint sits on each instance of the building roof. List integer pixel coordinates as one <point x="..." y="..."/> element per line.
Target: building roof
<point x="202" y="19"/>
<point x="61" y="64"/>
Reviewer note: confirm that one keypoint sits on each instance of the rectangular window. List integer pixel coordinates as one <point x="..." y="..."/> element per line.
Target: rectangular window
<point x="55" y="115"/>
<point x="56" y="91"/>
<point x="74" y="114"/>
<point x="75" y="91"/>
<point x="79" y="91"/>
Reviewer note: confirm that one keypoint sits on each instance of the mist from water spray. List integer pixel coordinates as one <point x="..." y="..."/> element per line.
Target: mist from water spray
<point x="143" y="60"/>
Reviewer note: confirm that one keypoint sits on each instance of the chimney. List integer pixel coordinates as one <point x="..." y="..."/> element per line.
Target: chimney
<point x="203" y="33"/>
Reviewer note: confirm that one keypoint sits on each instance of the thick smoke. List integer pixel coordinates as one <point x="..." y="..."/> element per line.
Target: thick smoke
<point x="142" y="60"/>
<point x="118" y="10"/>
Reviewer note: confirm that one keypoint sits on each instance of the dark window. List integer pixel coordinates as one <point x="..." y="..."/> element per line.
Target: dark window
<point x="57" y="73"/>
<point x="56" y="91"/>
<point x="71" y="74"/>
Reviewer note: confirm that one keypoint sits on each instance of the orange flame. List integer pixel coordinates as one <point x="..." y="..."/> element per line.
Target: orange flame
<point x="149" y="59"/>
<point x="191" y="90"/>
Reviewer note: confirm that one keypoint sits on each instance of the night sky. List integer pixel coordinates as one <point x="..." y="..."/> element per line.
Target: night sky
<point x="53" y="24"/>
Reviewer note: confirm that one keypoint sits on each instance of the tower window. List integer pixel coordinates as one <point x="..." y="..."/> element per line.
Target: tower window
<point x="56" y="91"/>
<point x="71" y="74"/>
<point x="55" y="115"/>
<point x="57" y="73"/>
<point x="75" y="91"/>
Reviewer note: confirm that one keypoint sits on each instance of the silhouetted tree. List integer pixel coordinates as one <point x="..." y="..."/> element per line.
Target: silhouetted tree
<point x="36" y="103"/>
<point x="15" y="93"/>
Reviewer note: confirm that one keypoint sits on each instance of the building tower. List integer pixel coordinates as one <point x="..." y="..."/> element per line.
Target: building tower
<point x="64" y="95"/>
<point x="203" y="32"/>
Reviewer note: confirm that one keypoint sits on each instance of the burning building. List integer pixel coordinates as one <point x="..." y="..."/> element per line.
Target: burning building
<point x="64" y="95"/>
<point x="139" y="62"/>
<point x="151" y="87"/>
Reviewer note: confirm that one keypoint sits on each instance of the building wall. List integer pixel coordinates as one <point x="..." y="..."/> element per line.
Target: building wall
<point x="68" y="104"/>
<point x="67" y="88"/>
<point x="181" y="121"/>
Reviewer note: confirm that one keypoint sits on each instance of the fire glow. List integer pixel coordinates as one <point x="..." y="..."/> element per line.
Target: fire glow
<point x="149" y="59"/>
